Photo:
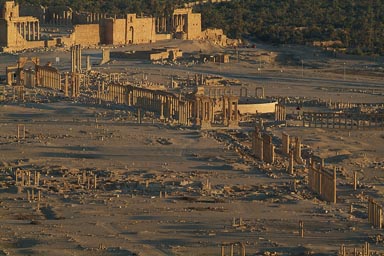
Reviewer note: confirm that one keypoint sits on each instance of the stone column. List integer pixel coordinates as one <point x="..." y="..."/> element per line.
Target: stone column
<point x="38" y="30"/>
<point x="25" y="30"/>
<point x="229" y="110"/>
<point x="285" y="143"/>
<point x="28" y="31"/>
<point x="34" y="37"/>
<point x="290" y="166"/>
<point x="236" y="112"/>
<point x="334" y="186"/>
<point x="88" y="63"/>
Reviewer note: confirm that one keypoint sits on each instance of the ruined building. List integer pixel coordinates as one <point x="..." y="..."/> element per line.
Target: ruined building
<point x="90" y="29"/>
<point x="18" y="32"/>
<point x="129" y="30"/>
<point x="133" y="29"/>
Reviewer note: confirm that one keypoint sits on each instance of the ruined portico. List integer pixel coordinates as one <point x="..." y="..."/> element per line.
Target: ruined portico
<point x="215" y="106"/>
<point x="18" y="32"/>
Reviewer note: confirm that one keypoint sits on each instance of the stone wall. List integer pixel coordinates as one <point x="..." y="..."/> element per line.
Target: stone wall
<point x="130" y="30"/>
<point x="144" y="30"/>
<point x="119" y="31"/>
<point x="259" y="108"/>
<point x="88" y="34"/>
<point x="193" y="26"/>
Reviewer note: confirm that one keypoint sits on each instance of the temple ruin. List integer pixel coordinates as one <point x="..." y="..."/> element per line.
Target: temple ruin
<point x="92" y="29"/>
<point x="18" y="32"/>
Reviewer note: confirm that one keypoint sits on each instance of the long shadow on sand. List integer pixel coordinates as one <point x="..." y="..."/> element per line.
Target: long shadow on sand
<point x="224" y="167"/>
<point x="26" y="242"/>
<point x="337" y="159"/>
<point x="70" y="155"/>
<point x="143" y="217"/>
<point x="26" y="116"/>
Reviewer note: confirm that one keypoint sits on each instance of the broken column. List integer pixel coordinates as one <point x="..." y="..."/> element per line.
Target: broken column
<point x="301" y="228"/>
<point x="20" y="131"/>
<point x="297" y="151"/>
<point x="291" y="163"/>
<point x="285" y="144"/>
<point x="105" y="56"/>
<point x="268" y="148"/>
<point x="88" y="63"/>
<point x="76" y="58"/>
<point x="258" y="145"/>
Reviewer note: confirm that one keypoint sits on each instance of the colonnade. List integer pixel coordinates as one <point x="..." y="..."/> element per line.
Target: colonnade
<point x="29" y="30"/>
<point x="322" y="181"/>
<point x="76" y="58"/>
<point x="178" y="22"/>
<point x="75" y="84"/>
<point x="263" y="147"/>
<point x="280" y="112"/>
<point x="161" y="25"/>
<point x="185" y="112"/>
<point x="30" y="78"/>
<point x="343" y="120"/>
<point x="204" y="111"/>
<point x="197" y="110"/>
<point x="113" y="93"/>
<point x="375" y="213"/>
<point x="231" y="246"/>
<point x="23" y="178"/>
<point x="92" y="17"/>
<point x="61" y="19"/>
<point x="167" y="105"/>
<point x="48" y="77"/>
<point x="72" y="84"/>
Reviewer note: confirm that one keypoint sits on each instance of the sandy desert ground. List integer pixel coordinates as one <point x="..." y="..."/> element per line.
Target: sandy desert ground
<point x="150" y="198"/>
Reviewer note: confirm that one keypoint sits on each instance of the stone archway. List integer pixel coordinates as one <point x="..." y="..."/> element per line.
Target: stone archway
<point x="132" y="31"/>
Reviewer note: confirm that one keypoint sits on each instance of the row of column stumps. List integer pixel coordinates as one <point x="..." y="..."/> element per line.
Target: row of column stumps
<point x="262" y="146"/>
<point x="343" y="120"/>
<point x="326" y="187"/>
<point x="162" y="194"/>
<point x="26" y="178"/>
<point x="375" y="214"/>
<point x="231" y="246"/>
<point x="31" y="195"/>
<point x="365" y="250"/>
<point x="292" y="151"/>
<point x="322" y="181"/>
<point x="237" y="222"/>
<point x="90" y="181"/>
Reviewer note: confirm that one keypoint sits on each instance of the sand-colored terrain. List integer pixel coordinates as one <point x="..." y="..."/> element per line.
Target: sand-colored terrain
<point x="151" y="196"/>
